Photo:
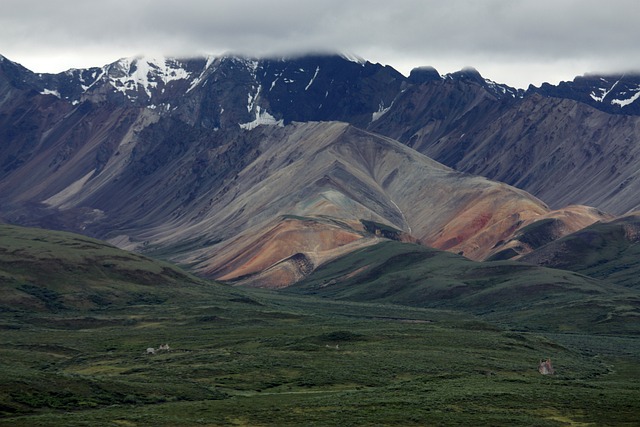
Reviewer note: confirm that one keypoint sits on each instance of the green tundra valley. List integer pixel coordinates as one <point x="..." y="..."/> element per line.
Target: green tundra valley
<point x="78" y="318"/>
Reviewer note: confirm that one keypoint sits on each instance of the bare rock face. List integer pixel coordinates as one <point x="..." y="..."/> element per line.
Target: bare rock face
<point x="341" y="179"/>
<point x="258" y="171"/>
<point x="311" y="190"/>
<point x="562" y="146"/>
<point x="265" y="206"/>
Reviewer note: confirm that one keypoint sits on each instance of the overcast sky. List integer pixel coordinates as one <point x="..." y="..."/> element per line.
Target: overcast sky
<point x="510" y="41"/>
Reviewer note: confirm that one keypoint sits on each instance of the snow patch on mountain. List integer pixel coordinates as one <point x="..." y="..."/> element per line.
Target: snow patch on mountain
<point x="381" y="111"/>
<point x="622" y="98"/>
<point x="313" y="78"/>
<point x="252" y="98"/>
<point x="628" y="101"/>
<point x="625" y="102"/>
<point x="197" y="80"/>
<point x="95" y="77"/>
<point x="145" y="72"/>
<point x="273" y="83"/>
<point x="501" y="90"/>
<point x="51" y="92"/>
<point x="263" y="118"/>
<point x="599" y="97"/>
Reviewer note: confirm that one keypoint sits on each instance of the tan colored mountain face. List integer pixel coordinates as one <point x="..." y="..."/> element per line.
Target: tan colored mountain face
<point x="302" y="200"/>
<point x="251" y="253"/>
<point x="540" y="230"/>
<point x="264" y="207"/>
<point x="476" y="229"/>
<point x="284" y="254"/>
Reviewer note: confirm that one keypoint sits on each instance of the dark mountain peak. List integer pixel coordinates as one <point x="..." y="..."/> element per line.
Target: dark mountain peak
<point x="615" y="93"/>
<point x="353" y="58"/>
<point x="17" y="75"/>
<point x="424" y="74"/>
<point x="233" y="60"/>
<point x="467" y="74"/>
<point x="327" y="87"/>
<point x="471" y="75"/>
<point x="4" y="61"/>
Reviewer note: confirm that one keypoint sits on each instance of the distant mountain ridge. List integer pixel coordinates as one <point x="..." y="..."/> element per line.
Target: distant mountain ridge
<point x="196" y="158"/>
<point x="614" y="93"/>
<point x="460" y="119"/>
<point x="154" y="75"/>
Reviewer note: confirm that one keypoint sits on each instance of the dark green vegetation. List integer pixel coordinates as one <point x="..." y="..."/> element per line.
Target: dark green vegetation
<point x="57" y="271"/>
<point x="519" y="295"/>
<point x="261" y="358"/>
<point x="381" y="229"/>
<point x="532" y="236"/>
<point x="608" y="251"/>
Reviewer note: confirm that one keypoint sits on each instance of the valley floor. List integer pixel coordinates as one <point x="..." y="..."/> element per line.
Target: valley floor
<point x="273" y="359"/>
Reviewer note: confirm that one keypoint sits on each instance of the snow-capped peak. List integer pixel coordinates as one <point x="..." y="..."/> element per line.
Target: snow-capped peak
<point x="354" y="58"/>
<point x="146" y="72"/>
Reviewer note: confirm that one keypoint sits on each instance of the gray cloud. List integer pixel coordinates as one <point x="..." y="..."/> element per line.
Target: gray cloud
<point x="511" y="41"/>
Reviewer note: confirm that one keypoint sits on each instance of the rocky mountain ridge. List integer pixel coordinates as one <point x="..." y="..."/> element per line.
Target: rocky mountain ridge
<point x="524" y="138"/>
<point x="260" y="170"/>
<point x="615" y="93"/>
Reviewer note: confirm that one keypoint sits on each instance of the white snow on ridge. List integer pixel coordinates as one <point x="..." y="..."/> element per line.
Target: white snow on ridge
<point x="95" y="80"/>
<point x="313" y="78"/>
<point x="51" y="92"/>
<point x="263" y="118"/>
<point x="499" y="88"/>
<point x="147" y="72"/>
<point x="381" y="112"/>
<point x="251" y="99"/>
<point x="354" y="58"/>
<point x="595" y="97"/>
<point x="194" y="83"/>
<point x="603" y="93"/>
<point x="625" y="102"/>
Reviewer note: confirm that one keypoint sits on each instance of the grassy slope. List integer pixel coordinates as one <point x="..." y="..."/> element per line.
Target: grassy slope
<point x="259" y="358"/>
<point x="57" y="271"/>
<point x="522" y="295"/>
<point x="603" y="250"/>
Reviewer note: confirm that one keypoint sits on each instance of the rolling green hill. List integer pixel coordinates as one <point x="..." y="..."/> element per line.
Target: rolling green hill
<point x="74" y="352"/>
<point x="521" y="295"/>
<point x="609" y="250"/>
<point x="46" y="270"/>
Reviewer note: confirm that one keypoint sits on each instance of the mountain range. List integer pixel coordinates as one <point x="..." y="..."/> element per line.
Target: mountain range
<point x="258" y="171"/>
